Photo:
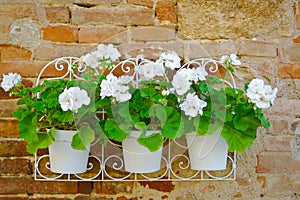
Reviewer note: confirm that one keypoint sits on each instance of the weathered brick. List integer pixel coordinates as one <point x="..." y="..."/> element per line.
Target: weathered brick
<point x="18" y="166"/>
<point x="7" y="107"/>
<point x="9" y="53"/>
<point x="277" y="163"/>
<point x="278" y="144"/>
<point x="153" y="34"/>
<point x="148" y="3"/>
<point x="113" y="187"/>
<point x="283" y="184"/>
<point x="286" y="107"/>
<point x="279" y="126"/>
<point x="12" y="148"/>
<point x="257" y="48"/>
<point x="17" y="11"/>
<point x="9" y="128"/>
<point x="102" y="34"/>
<point x="211" y="49"/>
<point x="82" y="2"/>
<point x="26" y="185"/>
<point x="150" y="50"/>
<point x="4" y="30"/>
<point x="85" y="187"/>
<point x="165" y="10"/>
<point x="121" y="15"/>
<point x="289" y="71"/>
<point x="58" y="14"/>
<point x="51" y="51"/>
<point x="290" y="53"/>
<point x="60" y="33"/>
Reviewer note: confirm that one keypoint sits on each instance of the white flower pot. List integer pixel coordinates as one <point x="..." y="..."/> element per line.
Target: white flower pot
<point x="63" y="158"/>
<point x="137" y="158"/>
<point x="207" y="152"/>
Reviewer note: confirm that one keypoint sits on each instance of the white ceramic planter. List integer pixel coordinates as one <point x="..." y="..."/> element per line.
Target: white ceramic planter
<point x="208" y="152"/>
<point x="137" y="158"/>
<point x="63" y="158"/>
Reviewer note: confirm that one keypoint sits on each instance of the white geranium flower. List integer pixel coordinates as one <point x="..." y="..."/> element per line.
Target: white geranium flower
<point x="107" y="52"/>
<point x="180" y="84"/>
<point x="108" y="85"/>
<point x="232" y="59"/>
<point x="192" y="106"/>
<point x="90" y="60"/>
<point x="73" y="99"/>
<point x="235" y="60"/>
<point x="189" y="74"/>
<point x="262" y="95"/>
<point x="201" y="73"/>
<point x="120" y="92"/>
<point x="152" y="69"/>
<point x="125" y="79"/>
<point x="170" y="59"/>
<point x="10" y="80"/>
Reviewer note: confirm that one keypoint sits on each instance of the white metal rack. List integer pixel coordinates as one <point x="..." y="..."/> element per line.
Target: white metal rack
<point x="106" y="162"/>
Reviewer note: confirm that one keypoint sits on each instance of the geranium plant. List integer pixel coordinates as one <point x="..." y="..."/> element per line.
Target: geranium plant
<point x="162" y="95"/>
<point x="65" y="104"/>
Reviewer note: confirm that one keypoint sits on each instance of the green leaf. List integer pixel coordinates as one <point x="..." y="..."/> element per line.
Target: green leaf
<point x="238" y="140"/>
<point x="152" y="142"/>
<point x="82" y="138"/>
<point x="118" y="133"/>
<point x="44" y="140"/>
<point x="264" y="121"/>
<point x="141" y="126"/>
<point x="171" y="128"/>
<point x="67" y="116"/>
<point x="28" y="128"/>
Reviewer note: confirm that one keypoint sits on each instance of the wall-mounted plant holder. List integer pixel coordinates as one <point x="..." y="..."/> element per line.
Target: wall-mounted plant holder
<point x="106" y="163"/>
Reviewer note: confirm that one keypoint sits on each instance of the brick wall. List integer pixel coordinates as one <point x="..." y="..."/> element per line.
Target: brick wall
<point x="265" y="34"/>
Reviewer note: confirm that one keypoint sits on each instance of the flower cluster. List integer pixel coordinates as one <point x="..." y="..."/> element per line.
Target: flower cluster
<point x="260" y="94"/>
<point x="10" y="80"/>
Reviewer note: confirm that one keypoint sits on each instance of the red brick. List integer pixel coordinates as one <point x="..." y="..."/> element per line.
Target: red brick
<point x="15" y="167"/>
<point x="277" y="163"/>
<point x="278" y="144"/>
<point x="9" y="128"/>
<point x="9" y="53"/>
<point x="60" y="33"/>
<point x="125" y="198"/>
<point x="289" y="71"/>
<point x="4" y="30"/>
<point x="166" y="186"/>
<point x="26" y="185"/>
<point x="28" y="69"/>
<point x="148" y="3"/>
<point x="298" y="21"/>
<point x="121" y="15"/>
<point x="85" y="187"/>
<point x="297" y="39"/>
<point x="102" y="34"/>
<point x="165" y="10"/>
<point x="153" y="34"/>
<point x="15" y="148"/>
<point x="58" y="14"/>
<point x="257" y="48"/>
<point x="113" y="187"/>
